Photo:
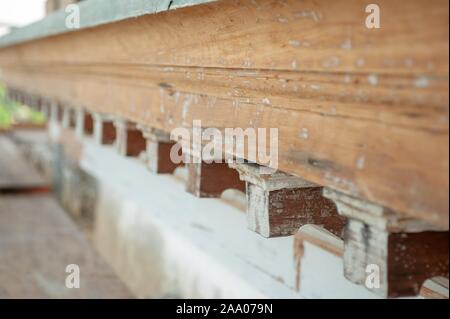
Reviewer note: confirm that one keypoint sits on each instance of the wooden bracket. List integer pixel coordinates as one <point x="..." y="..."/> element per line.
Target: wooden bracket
<point x="209" y="178"/>
<point x="390" y="254"/>
<point x="84" y="123"/>
<point x="68" y="117"/>
<point x="45" y="108"/>
<point x="104" y="130"/>
<point x="158" y="148"/>
<point x="129" y="141"/>
<point x="26" y="99"/>
<point x="212" y="179"/>
<point x="22" y="98"/>
<point x="278" y="204"/>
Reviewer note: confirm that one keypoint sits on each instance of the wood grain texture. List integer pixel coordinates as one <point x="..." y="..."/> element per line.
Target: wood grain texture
<point x="212" y="179"/>
<point x="359" y="110"/>
<point x="404" y="260"/>
<point x="274" y="213"/>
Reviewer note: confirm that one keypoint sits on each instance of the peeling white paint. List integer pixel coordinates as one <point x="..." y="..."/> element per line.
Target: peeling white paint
<point x="304" y="133"/>
<point x="186" y="104"/>
<point x="422" y="82"/>
<point x="360" y="162"/>
<point x="346" y="44"/>
<point x="373" y="79"/>
<point x="247" y="63"/>
<point x="408" y="62"/>
<point x="294" y="43"/>
<point x="313" y="15"/>
<point x="347" y="78"/>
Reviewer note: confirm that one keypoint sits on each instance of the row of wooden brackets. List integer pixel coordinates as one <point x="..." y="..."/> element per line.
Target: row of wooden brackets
<point x="406" y="251"/>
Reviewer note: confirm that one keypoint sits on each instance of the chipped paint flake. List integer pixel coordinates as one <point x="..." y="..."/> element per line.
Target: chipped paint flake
<point x="360" y="62"/>
<point x="421" y="82"/>
<point x="331" y="62"/>
<point x="373" y="79"/>
<point x="266" y="101"/>
<point x="346" y="44"/>
<point x="304" y="133"/>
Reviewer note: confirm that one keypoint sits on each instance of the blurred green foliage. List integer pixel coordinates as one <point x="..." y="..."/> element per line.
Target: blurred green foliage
<point x="12" y="112"/>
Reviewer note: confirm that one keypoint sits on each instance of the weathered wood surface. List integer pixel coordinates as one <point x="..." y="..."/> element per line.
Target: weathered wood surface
<point x="360" y="110"/>
<point x="311" y="236"/>
<point x="37" y="242"/>
<point x="15" y="173"/>
<point x="93" y="13"/>
<point x="406" y="252"/>
<point x="405" y="260"/>
<point x="278" y="204"/>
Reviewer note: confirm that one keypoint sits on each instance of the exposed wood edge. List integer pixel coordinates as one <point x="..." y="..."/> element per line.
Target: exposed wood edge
<point x="342" y="139"/>
<point x="93" y="13"/>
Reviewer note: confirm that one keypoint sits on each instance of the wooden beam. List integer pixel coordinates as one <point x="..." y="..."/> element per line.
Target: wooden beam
<point x="104" y="130"/>
<point x="158" y="149"/>
<point x="347" y="100"/>
<point x="401" y="252"/>
<point x="68" y="117"/>
<point x="315" y="270"/>
<point x="207" y="176"/>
